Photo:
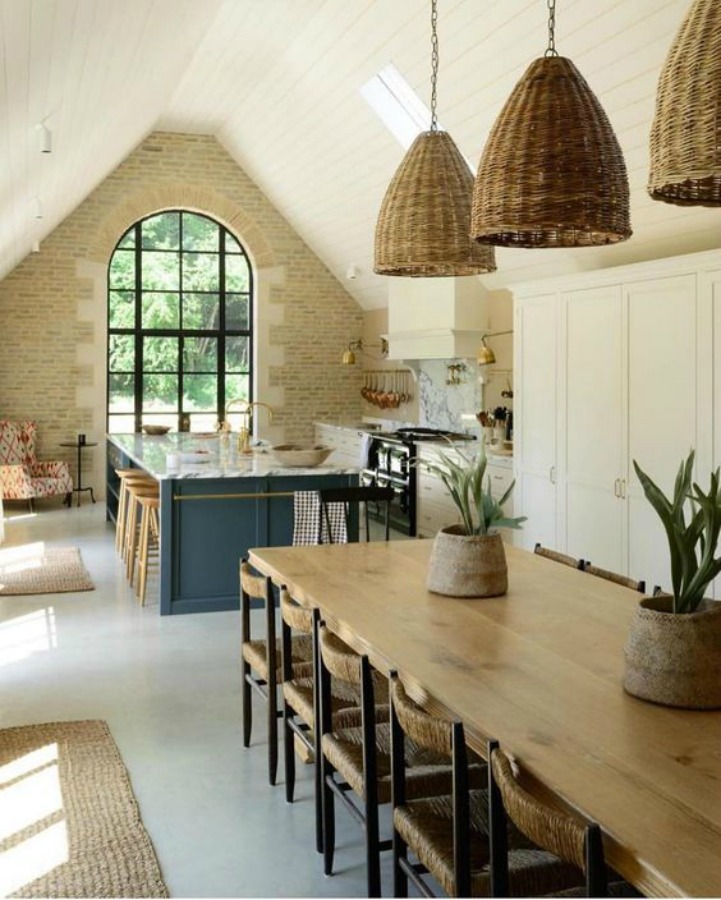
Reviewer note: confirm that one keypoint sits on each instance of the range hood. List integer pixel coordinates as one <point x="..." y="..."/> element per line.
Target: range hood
<point x="435" y="318"/>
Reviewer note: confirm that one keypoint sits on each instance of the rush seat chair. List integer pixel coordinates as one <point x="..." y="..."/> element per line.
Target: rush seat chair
<point x="572" y="847"/>
<point x="261" y="669"/>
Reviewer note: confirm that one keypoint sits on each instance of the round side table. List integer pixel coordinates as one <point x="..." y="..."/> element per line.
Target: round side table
<point x="79" y="489"/>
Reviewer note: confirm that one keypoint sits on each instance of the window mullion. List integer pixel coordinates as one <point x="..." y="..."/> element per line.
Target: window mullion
<point x="139" y="361"/>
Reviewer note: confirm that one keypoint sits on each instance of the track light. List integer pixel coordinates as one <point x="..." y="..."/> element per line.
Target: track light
<point x="37" y="208"/>
<point x="46" y="138"/>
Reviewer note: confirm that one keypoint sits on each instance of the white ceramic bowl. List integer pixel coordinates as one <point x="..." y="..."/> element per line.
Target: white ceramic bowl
<point x="304" y="457"/>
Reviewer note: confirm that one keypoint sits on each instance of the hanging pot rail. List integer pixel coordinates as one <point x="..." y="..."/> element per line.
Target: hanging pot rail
<point x="388" y="388"/>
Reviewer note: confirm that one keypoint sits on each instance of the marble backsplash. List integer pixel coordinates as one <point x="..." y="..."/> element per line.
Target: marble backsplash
<point x="441" y="405"/>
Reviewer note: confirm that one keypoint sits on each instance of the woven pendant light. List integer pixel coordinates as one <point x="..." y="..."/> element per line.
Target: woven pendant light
<point x="686" y="131"/>
<point x="552" y="173"/>
<point x="423" y="228"/>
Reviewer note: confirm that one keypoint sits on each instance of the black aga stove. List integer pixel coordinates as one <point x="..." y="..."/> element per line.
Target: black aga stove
<point x="391" y="463"/>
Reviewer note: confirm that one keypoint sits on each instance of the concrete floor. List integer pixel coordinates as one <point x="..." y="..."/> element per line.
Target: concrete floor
<point x="169" y="689"/>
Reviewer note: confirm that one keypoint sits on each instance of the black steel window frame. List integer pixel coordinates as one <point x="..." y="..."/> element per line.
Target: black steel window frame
<point x="221" y="333"/>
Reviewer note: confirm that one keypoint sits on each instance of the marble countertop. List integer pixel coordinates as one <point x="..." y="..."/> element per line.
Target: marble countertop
<point x="357" y="425"/>
<point x="150" y="453"/>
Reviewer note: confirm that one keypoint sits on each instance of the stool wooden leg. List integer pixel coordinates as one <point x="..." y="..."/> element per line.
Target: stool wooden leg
<point x="143" y="552"/>
<point x="120" y="519"/>
<point x="132" y="543"/>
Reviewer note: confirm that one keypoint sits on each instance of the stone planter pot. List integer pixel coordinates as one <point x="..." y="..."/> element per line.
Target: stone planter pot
<point x="464" y="565"/>
<point x="675" y="660"/>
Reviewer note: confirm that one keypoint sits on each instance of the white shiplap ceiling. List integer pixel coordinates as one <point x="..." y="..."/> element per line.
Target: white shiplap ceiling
<point x="277" y="81"/>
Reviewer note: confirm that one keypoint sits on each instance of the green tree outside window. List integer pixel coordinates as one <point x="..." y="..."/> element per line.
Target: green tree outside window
<point x="179" y="321"/>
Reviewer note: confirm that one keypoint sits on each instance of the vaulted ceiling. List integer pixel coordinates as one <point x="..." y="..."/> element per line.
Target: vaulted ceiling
<point x="277" y="82"/>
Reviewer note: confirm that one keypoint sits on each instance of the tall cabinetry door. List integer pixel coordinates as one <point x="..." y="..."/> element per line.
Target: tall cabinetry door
<point x="711" y="291"/>
<point x="594" y="404"/>
<point x="665" y="377"/>
<point x="536" y="355"/>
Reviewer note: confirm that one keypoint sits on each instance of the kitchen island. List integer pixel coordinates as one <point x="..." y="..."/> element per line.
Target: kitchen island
<point x="212" y="511"/>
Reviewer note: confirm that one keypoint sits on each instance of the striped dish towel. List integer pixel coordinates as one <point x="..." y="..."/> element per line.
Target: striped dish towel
<point x="306" y="519"/>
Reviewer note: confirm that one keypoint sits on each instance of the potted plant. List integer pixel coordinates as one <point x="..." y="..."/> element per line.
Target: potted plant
<point x="673" y="653"/>
<point x="468" y="560"/>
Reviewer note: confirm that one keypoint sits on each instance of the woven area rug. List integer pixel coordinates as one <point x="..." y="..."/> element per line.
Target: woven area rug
<point x="37" y="569"/>
<point x="70" y="825"/>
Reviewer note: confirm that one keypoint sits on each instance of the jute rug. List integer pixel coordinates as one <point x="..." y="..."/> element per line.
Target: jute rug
<point x="70" y="825"/>
<point x="37" y="569"/>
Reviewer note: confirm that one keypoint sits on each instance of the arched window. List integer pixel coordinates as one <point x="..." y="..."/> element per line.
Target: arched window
<point x="180" y="307"/>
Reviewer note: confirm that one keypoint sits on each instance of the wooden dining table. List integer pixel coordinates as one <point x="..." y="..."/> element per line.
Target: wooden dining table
<point x="540" y="669"/>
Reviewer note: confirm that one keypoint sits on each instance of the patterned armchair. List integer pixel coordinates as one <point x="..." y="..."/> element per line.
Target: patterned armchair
<point x="22" y="477"/>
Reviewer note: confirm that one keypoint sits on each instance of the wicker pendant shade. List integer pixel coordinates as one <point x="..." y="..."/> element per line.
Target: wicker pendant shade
<point x="686" y="131"/>
<point x="423" y="227"/>
<point x="552" y="173"/>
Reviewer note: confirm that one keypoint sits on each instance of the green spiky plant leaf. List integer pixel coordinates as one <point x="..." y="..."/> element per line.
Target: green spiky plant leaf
<point x="691" y="544"/>
<point x="464" y="478"/>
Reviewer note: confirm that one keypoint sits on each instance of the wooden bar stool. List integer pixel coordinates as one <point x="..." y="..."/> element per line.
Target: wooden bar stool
<point x="132" y="526"/>
<point x="125" y="476"/>
<point x="149" y="539"/>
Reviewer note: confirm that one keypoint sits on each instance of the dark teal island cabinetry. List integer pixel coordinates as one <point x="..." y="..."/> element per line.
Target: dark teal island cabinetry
<point x="212" y="513"/>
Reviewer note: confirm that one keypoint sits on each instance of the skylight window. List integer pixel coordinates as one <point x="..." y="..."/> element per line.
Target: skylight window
<point x="397" y="105"/>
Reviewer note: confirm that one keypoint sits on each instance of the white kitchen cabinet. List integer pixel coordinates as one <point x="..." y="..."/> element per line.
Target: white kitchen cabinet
<point x="634" y="380"/>
<point x="594" y="413"/>
<point x="625" y="399"/>
<point x="535" y="418"/>
<point x="434" y="505"/>
<point x="500" y="477"/>
<point x="665" y="408"/>
<point x="346" y="444"/>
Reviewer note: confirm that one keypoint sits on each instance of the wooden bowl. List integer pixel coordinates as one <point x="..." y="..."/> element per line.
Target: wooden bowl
<point x="303" y="457"/>
<point x="156" y="429"/>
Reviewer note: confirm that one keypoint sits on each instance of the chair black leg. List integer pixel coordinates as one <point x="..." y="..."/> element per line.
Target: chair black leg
<point x="30" y="504"/>
<point x="373" y="862"/>
<point x="288" y="754"/>
<point x="318" y="779"/>
<point x="328" y="820"/>
<point x="247" y="707"/>
<point x="400" y="879"/>
<point x="272" y="734"/>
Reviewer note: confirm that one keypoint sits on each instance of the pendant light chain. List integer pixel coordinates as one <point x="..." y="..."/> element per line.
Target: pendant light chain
<point x="434" y="64"/>
<point x="551" y="49"/>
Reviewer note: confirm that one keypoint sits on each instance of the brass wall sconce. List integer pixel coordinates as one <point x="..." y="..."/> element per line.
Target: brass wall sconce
<point x="486" y="356"/>
<point x="455" y="373"/>
<point x="349" y="355"/>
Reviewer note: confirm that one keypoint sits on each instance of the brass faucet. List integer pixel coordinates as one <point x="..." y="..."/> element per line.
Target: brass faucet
<point x="246" y="430"/>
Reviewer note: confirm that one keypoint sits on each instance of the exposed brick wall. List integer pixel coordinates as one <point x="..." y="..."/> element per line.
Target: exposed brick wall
<point x="53" y="306"/>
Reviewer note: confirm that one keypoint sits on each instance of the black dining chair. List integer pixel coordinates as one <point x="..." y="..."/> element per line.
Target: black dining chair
<point x="569" y="860"/>
<point x="558" y="557"/>
<point x="351" y="499"/>
<point x="301" y="700"/>
<point x="623" y="580"/>
<point x="260" y="666"/>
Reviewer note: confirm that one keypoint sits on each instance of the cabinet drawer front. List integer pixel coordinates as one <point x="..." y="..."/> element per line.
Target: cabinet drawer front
<point x="500" y="480"/>
<point x="433" y="489"/>
<point x="432" y="518"/>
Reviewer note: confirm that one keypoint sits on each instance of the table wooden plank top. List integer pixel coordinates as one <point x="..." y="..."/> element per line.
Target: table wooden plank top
<point x="540" y="669"/>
